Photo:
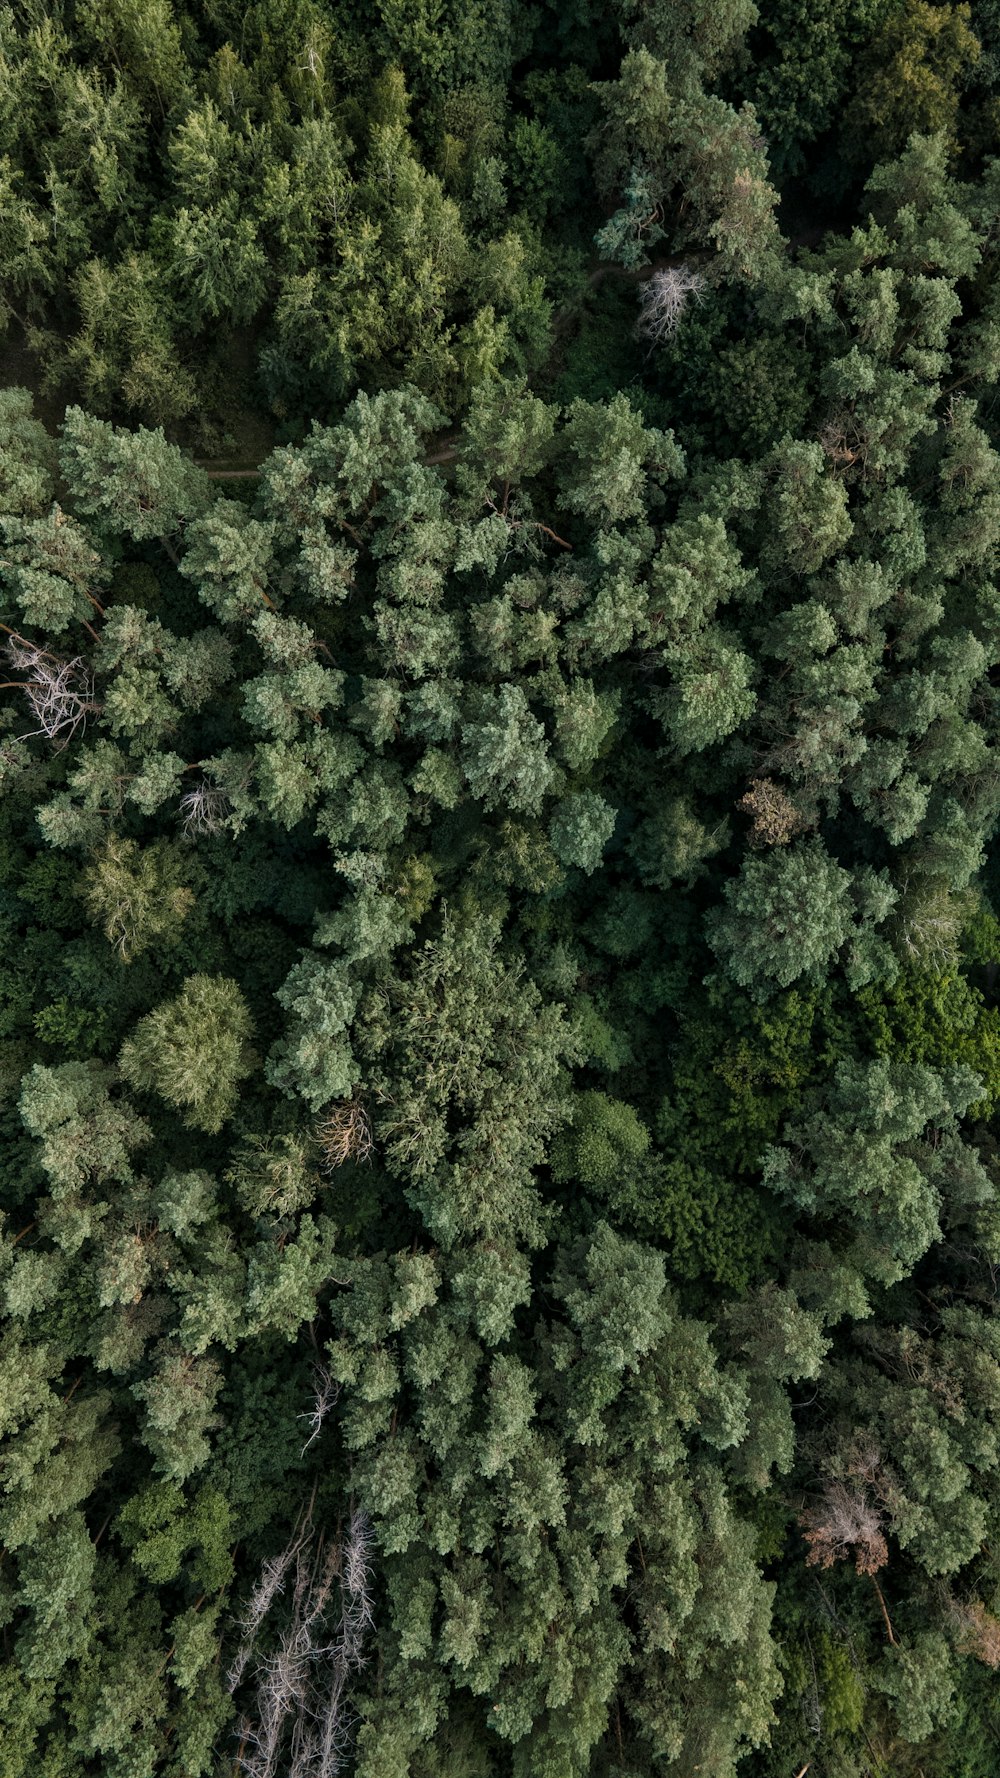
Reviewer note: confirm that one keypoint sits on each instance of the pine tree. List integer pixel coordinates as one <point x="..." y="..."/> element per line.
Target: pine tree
<point x="193" y="1050"/>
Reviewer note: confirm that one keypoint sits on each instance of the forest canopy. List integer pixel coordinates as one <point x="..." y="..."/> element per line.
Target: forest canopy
<point x="499" y="1010"/>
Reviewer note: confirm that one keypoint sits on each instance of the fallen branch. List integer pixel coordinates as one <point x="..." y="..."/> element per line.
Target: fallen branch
<point x="885" y="1614"/>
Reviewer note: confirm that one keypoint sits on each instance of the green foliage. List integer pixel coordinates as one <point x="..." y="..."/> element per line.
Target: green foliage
<point x="885" y="1140"/>
<point x="668" y="149"/>
<point x="467" y="1065"/>
<point x="938" y="1019"/>
<point x="166" y="1534"/>
<point x="786" y="916"/>
<point x="910" y="77"/>
<point x="135" y="484"/>
<point x="138" y="896"/>
<point x="606" y="1142"/>
<point x="919" y="1681"/>
<point x="194" y="1050"/>
<point x="84" y="1133"/>
<point x="315" y="1060"/>
<point x="803" y="71"/>
<point x="499" y="1058"/>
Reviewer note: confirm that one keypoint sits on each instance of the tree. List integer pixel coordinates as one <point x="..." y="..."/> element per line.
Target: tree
<point x="138" y="896"/>
<point x="504" y="752"/>
<point x="785" y="916"/>
<point x="613" y="460"/>
<point x="864" y="1153"/>
<point x="87" y="1137"/>
<point x="54" y="570"/>
<point x="27" y="457"/>
<point x="694" y="38"/>
<point x="315" y="1059"/>
<point x="911" y="77"/>
<point x="179" y="1400"/>
<point x="136" y="483"/>
<point x="664" y="298"/>
<point x="467" y="1086"/>
<point x="582" y="825"/>
<point x="194" y="1050"/>
<point x="217" y="257"/>
<point x="671" y="149"/>
<point x="803" y="71"/>
<point x="127" y="346"/>
<point x="603" y="1145"/>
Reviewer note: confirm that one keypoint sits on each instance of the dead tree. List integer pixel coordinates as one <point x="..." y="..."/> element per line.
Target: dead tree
<point x="204" y="808"/>
<point x="61" y="694"/>
<point x="845" y="1522"/>
<point x="299" y="1722"/>
<point x="664" y="298"/>
<point x="324" y="1398"/>
<point x="345" y="1134"/>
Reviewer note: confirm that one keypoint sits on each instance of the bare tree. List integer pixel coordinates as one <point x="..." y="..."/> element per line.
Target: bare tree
<point x="845" y="1522"/>
<point x="204" y="808"/>
<point x="270" y="1584"/>
<point x="324" y="1398"/>
<point x="332" y="1720"/>
<point x="61" y="694"/>
<point x="775" y="817"/>
<point x="979" y="1631"/>
<point x="301" y="1722"/>
<point x="664" y="298"/>
<point x="345" y="1134"/>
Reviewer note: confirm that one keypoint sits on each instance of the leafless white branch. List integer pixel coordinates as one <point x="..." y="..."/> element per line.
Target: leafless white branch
<point x="324" y="1398"/>
<point x="204" y="808"/>
<point x="664" y="298"/>
<point x="270" y="1584"/>
<point x="302" y="1722"/>
<point x="61" y="694"/>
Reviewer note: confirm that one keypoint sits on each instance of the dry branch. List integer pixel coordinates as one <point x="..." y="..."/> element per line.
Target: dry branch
<point x="345" y="1134"/>
<point x="204" y="808"/>
<point x="300" y="1723"/>
<point x="845" y="1521"/>
<point x="61" y="694"/>
<point x="665" y="296"/>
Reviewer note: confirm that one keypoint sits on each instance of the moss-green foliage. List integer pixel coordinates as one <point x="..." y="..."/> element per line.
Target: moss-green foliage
<point x="803" y="69"/>
<point x="356" y="194"/>
<point x="603" y="1147"/>
<point x="940" y="1019"/>
<point x="911" y="77"/>
<point x="193" y="1050"/>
